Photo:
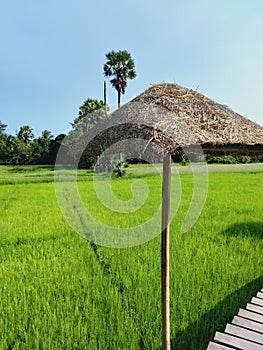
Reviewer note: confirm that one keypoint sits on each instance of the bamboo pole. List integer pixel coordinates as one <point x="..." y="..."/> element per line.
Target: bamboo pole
<point x="165" y="252"/>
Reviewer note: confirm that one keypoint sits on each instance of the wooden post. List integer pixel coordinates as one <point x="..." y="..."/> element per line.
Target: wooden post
<point x="165" y="252"/>
<point x="105" y="96"/>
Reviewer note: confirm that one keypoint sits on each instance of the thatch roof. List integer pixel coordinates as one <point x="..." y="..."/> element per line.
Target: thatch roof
<point x="210" y="121"/>
<point x="171" y="117"/>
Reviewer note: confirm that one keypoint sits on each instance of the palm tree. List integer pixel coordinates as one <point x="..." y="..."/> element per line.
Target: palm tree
<point x="120" y="66"/>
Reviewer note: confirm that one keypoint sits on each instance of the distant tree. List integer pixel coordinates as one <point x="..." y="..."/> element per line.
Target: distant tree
<point x="55" y="144"/>
<point x="121" y="67"/>
<point x="3" y="146"/>
<point x="45" y="140"/>
<point x="46" y="135"/>
<point x="87" y="113"/>
<point x="40" y="148"/>
<point x="90" y="113"/>
<point x="25" y="134"/>
<point x="18" y="151"/>
<point x="2" y="127"/>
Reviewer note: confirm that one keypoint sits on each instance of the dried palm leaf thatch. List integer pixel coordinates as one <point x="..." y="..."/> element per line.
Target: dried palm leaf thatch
<point x="211" y="122"/>
<point x="172" y="117"/>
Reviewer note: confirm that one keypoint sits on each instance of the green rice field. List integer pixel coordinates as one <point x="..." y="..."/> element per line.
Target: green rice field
<point x="59" y="291"/>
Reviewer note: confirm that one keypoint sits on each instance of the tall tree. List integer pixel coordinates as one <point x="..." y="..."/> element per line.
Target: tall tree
<point x="120" y="66"/>
<point x="25" y="134"/>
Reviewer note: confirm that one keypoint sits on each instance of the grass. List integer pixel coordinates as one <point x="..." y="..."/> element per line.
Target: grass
<point x="58" y="291"/>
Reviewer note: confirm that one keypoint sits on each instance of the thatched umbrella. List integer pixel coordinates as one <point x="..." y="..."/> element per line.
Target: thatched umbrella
<point x="171" y="118"/>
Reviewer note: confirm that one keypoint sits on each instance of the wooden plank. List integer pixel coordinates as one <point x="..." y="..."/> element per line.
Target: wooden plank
<point x="244" y="333"/>
<point x="243" y="322"/>
<point x="257" y="301"/>
<point x="250" y="315"/>
<point x="255" y="308"/>
<point x="216" y="346"/>
<point x="237" y="342"/>
<point x="246" y="329"/>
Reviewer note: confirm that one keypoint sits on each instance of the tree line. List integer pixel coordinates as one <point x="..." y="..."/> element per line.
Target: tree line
<point x="24" y="148"/>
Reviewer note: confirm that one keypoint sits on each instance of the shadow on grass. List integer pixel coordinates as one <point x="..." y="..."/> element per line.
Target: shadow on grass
<point x="246" y="229"/>
<point x="30" y="168"/>
<point x="198" y="334"/>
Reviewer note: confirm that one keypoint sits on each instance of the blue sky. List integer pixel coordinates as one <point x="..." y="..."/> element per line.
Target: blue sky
<point x="53" y="51"/>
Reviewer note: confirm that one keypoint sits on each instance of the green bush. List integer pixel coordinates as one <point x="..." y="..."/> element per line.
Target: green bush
<point x="244" y="159"/>
<point x="222" y="160"/>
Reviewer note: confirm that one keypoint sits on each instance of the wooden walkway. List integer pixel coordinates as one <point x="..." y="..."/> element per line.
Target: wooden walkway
<point x="245" y="331"/>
